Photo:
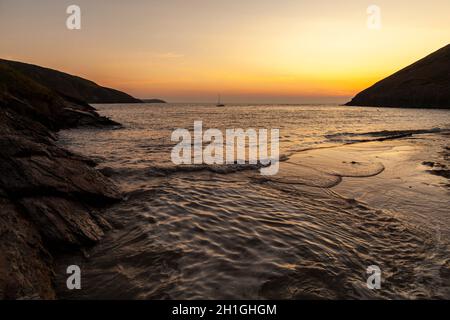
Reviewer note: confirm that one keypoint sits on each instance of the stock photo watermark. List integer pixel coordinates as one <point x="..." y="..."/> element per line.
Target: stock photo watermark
<point x="235" y="147"/>
<point x="374" y="280"/>
<point x="74" y="280"/>
<point x="73" y="21"/>
<point x="374" y="17"/>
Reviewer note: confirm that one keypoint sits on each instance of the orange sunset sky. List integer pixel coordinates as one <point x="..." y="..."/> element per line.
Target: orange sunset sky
<point x="286" y="51"/>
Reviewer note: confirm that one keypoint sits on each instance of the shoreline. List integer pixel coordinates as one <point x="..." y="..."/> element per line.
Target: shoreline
<point x="52" y="197"/>
<point x="49" y="196"/>
<point x="357" y="190"/>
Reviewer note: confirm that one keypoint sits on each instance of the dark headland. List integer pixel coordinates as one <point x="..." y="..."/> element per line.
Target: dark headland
<point x="424" y="84"/>
<point x="48" y="196"/>
<point x="70" y="86"/>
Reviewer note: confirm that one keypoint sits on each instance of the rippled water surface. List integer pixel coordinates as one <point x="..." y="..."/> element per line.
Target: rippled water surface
<point x="309" y="232"/>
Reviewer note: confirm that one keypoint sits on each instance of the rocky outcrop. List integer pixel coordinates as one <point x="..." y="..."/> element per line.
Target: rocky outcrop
<point x="49" y="196"/>
<point x="70" y="86"/>
<point x="424" y="84"/>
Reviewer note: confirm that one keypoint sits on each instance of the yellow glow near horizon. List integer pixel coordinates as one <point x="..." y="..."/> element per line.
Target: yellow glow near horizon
<point x="283" y="51"/>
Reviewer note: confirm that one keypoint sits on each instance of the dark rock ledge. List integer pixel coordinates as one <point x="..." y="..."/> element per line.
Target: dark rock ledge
<point x="49" y="197"/>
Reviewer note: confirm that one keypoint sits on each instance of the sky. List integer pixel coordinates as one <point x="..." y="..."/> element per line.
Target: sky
<point x="249" y="51"/>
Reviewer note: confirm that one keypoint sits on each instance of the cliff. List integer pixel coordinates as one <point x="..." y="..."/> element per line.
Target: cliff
<point x="424" y="84"/>
<point x="49" y="197"/>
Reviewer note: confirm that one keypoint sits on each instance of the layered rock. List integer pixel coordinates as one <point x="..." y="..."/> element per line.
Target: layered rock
<point x="49" y="197"/>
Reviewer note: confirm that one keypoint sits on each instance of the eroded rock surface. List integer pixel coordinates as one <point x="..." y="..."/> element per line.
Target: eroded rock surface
<point x="49" y="197"/>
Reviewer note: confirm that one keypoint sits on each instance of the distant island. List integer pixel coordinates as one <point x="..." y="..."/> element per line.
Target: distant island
<point x="424" y="84"/>
<point x="153" y="101"/>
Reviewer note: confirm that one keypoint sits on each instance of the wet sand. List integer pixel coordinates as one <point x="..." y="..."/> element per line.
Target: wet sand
<point x="403" y="184"/>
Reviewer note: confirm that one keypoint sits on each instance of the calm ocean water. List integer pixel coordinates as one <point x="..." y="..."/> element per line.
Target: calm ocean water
<point x="190" y="233"/>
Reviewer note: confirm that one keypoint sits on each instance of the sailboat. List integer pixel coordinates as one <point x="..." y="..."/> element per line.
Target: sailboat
<point x="219" y="104"/>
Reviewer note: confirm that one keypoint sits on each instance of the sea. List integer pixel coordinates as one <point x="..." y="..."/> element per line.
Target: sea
<point x="310" y="232"/>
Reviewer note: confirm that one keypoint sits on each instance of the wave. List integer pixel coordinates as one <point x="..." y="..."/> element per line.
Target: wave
<point x="171" y="169"/>
<point x="293" y="170"/>
<point x="354" y="137"/>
